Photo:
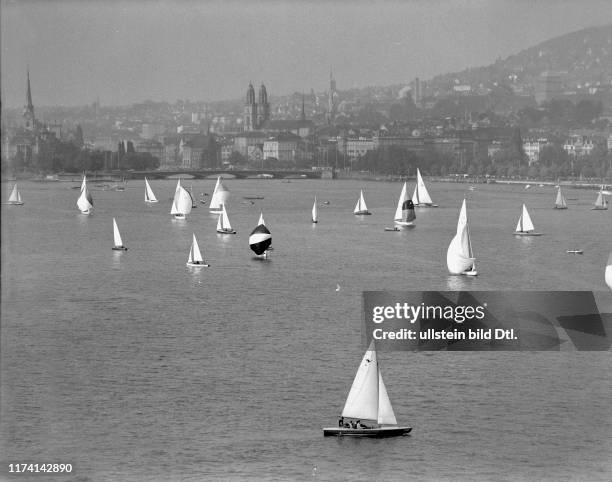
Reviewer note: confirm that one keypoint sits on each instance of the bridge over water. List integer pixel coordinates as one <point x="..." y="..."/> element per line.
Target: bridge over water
<point x="226" y="173"/>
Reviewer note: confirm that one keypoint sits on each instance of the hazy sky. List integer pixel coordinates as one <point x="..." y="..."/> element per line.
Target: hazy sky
<point x="127" y="51"/>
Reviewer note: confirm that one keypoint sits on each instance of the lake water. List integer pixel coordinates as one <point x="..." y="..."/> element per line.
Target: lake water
<point x="133" y="367"/>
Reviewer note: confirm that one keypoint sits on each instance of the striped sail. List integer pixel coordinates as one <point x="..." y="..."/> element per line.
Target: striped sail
<point x="260" y="239"/>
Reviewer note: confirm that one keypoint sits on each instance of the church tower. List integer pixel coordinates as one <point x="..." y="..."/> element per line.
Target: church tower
<point x="331" y="98"/>
<point x="250" y="110"/>
<point x="29" y="121"/>
<point x="263" y="108"/>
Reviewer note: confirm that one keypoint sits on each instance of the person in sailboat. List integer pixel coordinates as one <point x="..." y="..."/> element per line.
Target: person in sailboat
<point x="341" y="422"/>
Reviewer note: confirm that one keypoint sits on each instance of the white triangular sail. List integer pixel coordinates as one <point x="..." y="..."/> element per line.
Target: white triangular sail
<point x="524" y="224"/>
<point x="459" y="257"/>
<point x="560" y="202"/>
<point x="362" y="400"/>
<point x="400" y="203"/>
<point x="315" y="217"/>
<point x="116" y="235"/>
<point x="15" y="196"/>
<point x="420" y="192"/>
<point x="85" y="201"/>
<point x="600" y="202"/>
<point x="361" y="204"/>
<point x="182" y="202"/>
<point x="149" y="196"/>
<point x="223" y="222"/>
<point x="261" y="219"/>
<point x="386" y="416"/>
<point x="608" y="275"/>
<point x="219" y="197"/>
<point x="194" y="253"/>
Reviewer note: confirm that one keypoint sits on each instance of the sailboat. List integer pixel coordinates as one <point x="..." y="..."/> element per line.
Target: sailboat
<point x="560" y="202"/>
<point x="525" y="227"/>
<point x="223" y="223"/>
<point x="15" y="197"/>
<point x="404" y="213"/>
<point x="260" y="240"/>
<point x="420" y="196"/>
<point x="182" y="202"/>
<point x="459" y="256"/>
<point x="314" y="211"/>
<point x="360" y="207"/>
<point x="601" y="203"/>
<point x="117" y="238"/>
<point x="195" y="257"/>
<point x="219" y="197"/>
<point x="85" y="201"/>
<point x="368" y="401"/>
<point x="608" y="275"/>
<point x="149" y="196"/>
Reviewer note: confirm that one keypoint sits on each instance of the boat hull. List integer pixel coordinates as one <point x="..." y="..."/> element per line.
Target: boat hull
<point x="366" y="432"/>
<point x="560" y="207"/>
<point x="197" y="265"/>
<point x="425" y="205"/>
<point x="226" y="231"/>
<point x="574" y="251"/>
<point x="518" y="233"/>
<point x="119" y="248"/>
<point x="395" y="228"/>
<point x="15" y="203"/>
<point x="404" y="223"/>
<point x="597" y="208"/>
<point x="362" y="213"/>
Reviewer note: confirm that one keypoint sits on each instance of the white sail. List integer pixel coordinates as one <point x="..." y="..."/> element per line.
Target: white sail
<point x="219" y="197"/>
<point x="524" y="224"/>
<point x="182" y="202"/>
<point x="362" y="400"/>
<point x="400" y="203"/>
<point x="194" y="253"/>
<point x="600" y="202"/>
<point x="560" y="202"/>
<point x="385" y="410"/>
<point x="261" y="219"/>
<point x="149" y="196"/>
<point x="223" y="223"/>
<point x="422" y="195"/>
<point x="314" y="211"/>
<point x="85" y="202"/>
<point x="608" y="275"/>
<point x="361" y="205"/>
<point x="459" y="256"/>
<point x="116" y="235"/>
<point x="15" y="197"/>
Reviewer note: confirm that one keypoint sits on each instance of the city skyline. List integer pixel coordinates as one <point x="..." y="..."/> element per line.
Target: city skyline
<point x="130" y="51"/>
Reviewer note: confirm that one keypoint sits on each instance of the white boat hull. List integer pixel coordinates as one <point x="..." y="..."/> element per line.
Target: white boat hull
<point x="179" y="216"/>
<point x="366" y="432"/>
<point x="519" y="233"/>
<point x="426" y="205"/>
<point x="574" y="251"/>
<point x="404" y="223"/>
<point x="395" y="228"/>
<point x="197" y="265"/>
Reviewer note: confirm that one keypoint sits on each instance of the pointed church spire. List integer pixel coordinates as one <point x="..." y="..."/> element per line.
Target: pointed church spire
<point x="29" y="104"/>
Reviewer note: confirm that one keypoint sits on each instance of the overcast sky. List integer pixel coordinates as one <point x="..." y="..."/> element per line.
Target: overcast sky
<point x="127" y="51"/>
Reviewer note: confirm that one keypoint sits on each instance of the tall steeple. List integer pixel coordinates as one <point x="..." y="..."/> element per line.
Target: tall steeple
<point x="29" y="120"/>
<point x="303" y="114"/>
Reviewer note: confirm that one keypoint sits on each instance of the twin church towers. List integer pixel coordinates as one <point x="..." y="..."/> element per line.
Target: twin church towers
<point x="256" y="113"/>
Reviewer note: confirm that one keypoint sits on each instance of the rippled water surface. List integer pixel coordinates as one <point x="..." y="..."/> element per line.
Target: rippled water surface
<point x="133" y="367"/>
